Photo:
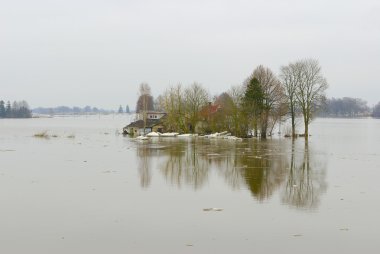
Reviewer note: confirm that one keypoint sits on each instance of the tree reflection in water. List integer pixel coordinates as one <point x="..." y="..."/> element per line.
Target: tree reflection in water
<point x="305" y="178"/>
<point x="265" y="168"/>
<point x="183" y="165"/>
<point x="261" y="166"/>
<point x="144" y="155"/>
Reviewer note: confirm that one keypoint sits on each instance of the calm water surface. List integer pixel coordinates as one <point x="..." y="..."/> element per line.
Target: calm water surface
<point x="99" y="192"/>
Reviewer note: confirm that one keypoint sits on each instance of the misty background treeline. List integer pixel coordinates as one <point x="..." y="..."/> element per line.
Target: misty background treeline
<point x="346" y="107"/>
<point x="349" y="107"/>
<point x="64" y="110"/>
<point x="18" y="109"/>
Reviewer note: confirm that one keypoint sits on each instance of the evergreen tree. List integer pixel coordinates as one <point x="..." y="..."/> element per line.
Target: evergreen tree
<point x="254" y="102"/>
<point x="120" y="111"/>
<point x="2" y="109"/>
<point x="127" y="109"/>
<point x="8" y="110"/>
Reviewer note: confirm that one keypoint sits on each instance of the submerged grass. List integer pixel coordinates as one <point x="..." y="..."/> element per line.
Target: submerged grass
<point x="42" y="134"/>
<point x="71" y="136"/>
<point x="45" y="134"/>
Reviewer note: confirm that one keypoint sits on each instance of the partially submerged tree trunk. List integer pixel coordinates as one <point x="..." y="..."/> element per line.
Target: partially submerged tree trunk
<point x="306" y="122"/>
<point x="293" y="119"/>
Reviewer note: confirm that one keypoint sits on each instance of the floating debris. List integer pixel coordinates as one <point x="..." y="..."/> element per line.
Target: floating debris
<point x="242" y="167"/>
<point x="141" y="138"/>
<point x="109" y="171"/>
<point x="157" y="147"/>
<point x="7" y="150"/>
<point x="153" y="134"/>
<point x="213" y="209"/>
<point x="213" y="154"/>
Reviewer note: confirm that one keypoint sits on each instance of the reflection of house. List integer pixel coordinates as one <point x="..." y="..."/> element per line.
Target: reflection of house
<point x="137" y="128"/>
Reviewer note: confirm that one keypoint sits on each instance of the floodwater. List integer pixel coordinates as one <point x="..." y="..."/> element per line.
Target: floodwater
<point x="86" y="189"/>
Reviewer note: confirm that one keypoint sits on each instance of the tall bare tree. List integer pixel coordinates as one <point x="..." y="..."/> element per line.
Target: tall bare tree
<point x="239" y="119"/>
<point x="273" y="95"/>
<point x="172" y="102"/>
<point x="196" y="98"/>
<point x="291" y="77"/>
<point x="145" y="102"/>
<point x="310" y="92"/>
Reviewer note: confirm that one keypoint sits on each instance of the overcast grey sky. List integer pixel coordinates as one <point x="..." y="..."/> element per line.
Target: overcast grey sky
<point x="97" y="52"/>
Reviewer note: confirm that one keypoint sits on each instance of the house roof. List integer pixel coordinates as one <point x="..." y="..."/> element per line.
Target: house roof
<point x="156" y="112"/>
<point x="209" y="110"/>
<point x="140" y="123"/>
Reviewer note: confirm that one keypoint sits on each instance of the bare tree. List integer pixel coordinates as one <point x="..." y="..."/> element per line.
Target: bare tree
<point x="196" y="98"/>
<point x="172" y="102"/>
<point x="310" y="92"/>
<point x="273" y="95"/>
<point x="145" y="102"/>
<point x="290" y="78"/>
<point x="239" y="119"/>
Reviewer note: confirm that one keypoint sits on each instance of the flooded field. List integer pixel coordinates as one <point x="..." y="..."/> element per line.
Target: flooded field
<point x="85" y="189"/>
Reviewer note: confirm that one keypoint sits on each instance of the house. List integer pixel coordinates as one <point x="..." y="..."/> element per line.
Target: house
<point x="137" y="128"/>
<point x="207" y="113"/>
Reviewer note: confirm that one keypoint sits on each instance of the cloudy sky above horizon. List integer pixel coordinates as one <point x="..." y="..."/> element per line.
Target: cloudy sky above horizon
<point x="66" y="52"/>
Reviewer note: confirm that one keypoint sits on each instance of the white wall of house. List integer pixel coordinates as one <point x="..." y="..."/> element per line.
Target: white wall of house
<point x="155" y="115"/>
<point x="151" y="115"/>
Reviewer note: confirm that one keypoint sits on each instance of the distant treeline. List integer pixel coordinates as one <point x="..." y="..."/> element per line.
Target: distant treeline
<point x="376" y="111"/>
<point x="18" y="109"/>
<point x="346" y="107"/>
<point x="71" y="110"/>
<point x="349" y="107"/>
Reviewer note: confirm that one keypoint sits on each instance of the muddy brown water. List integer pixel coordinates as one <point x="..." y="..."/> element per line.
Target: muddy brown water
<point x="85" y="189"/>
